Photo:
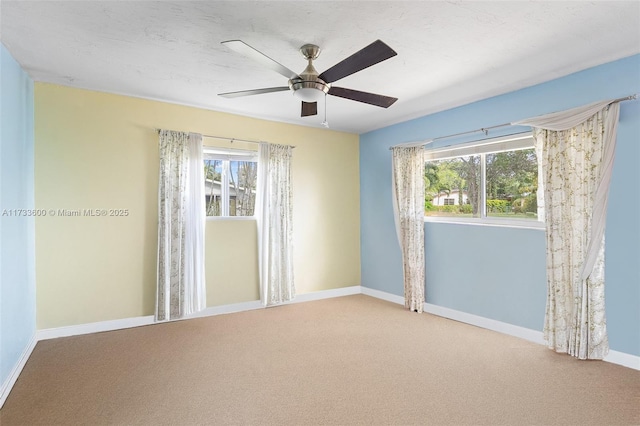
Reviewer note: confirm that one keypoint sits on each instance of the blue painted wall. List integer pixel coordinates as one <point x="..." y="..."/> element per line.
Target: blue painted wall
<point x="17" y="252"/>
<point x="499" y="273"/>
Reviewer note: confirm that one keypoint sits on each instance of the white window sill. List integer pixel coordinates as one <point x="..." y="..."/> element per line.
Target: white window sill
<point x="241" y="218"/>
<point x="489" y="221"/>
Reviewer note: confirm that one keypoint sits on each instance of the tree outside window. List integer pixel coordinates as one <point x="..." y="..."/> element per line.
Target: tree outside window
<point x="506" y="182"/>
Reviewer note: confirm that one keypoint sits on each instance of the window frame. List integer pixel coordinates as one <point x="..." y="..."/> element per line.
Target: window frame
<point x="514" y="142"/>
<point x="227" y="155"/>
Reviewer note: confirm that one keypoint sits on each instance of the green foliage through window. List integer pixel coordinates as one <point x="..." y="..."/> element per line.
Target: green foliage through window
<point x="510" y="180"/>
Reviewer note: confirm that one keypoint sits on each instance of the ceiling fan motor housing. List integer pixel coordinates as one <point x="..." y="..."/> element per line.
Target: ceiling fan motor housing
<point x="316" y="84"/>
<point x="308" y="86"/>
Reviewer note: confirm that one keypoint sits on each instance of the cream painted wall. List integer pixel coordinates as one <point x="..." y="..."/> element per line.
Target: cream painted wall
<point x="232" y="261"/>
<point x="99" y="151"/>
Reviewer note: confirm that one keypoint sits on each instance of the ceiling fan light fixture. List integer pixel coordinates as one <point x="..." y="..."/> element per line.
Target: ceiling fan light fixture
<point x="308" y="95"/>
<point x="309" y="91"/>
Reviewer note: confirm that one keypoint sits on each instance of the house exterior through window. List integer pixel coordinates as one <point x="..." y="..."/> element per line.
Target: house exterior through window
<point x="230" y="182"/>
<point x="491" y="179"/>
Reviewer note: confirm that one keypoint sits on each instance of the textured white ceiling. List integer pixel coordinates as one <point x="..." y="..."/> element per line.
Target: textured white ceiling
<point x="449" y="53"/>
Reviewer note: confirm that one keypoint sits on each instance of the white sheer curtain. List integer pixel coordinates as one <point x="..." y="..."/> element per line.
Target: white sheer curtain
<point x="181" y="282"/>
<point x="275" y="224"/>
<point x="408" y="208"/>
<point x="576" y="148"/>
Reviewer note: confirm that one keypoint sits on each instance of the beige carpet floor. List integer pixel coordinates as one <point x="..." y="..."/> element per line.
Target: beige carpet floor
<point x="344" y="361"/>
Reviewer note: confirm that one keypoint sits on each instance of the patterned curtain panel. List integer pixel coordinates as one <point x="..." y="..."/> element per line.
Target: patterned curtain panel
<point x="181" y="221"/>
<point x="408" y="203"/>
<point x="576" y="149"/>
<point x="275" y="224"/>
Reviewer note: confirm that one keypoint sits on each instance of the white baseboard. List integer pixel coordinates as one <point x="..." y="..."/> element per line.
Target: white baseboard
<point x="623" y="359"/>
<point x="490" y="324"/>
<point x="614" y="357"/>
<point x="227" y="309"/>
<point x="17" y="369"/>
<point x="120" y="324"/>
<point x="383" y="295"/>
<point x="327" y="294"/>
<point x="321" y="294"/>
<point x="93" y="327"/>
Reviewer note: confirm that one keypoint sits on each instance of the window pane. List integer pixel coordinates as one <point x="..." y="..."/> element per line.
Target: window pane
<point x="452" y="187"/>
<point x="242" y="187"/>
<point x="213" y="186"/>
<point x="512" y="183"/>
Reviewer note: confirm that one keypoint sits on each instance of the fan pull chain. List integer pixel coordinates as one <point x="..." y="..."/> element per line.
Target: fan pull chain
<point x="325" y="123"/>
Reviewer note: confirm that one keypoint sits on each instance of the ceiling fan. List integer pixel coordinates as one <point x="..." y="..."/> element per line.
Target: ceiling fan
<point x="310" y="86"/>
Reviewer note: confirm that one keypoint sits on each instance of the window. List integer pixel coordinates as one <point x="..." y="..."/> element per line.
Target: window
<point x="230" y="178"/>
<point x="492" y="180"/>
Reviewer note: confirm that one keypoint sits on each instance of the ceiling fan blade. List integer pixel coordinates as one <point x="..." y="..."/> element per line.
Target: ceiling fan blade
<point x="365" y="97"/>
<point x="364" y="58"/>
<point x="248" y="51"/>
<point x="253" y="92"/>
<point x="309" y="108"/>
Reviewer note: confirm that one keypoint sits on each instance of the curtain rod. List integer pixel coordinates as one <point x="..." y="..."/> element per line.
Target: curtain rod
<point x="485" y="130"/>
<point x="231" y="140"/>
